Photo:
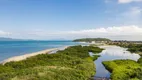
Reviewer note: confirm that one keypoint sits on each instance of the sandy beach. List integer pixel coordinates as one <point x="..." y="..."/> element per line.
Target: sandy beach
<point x="25" y="56"/>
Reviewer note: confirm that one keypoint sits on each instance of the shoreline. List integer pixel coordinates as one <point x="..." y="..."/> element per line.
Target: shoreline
<point x="25" y="56"/>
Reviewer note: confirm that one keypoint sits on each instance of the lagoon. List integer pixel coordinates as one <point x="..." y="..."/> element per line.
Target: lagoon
<point x="112" y="53"/>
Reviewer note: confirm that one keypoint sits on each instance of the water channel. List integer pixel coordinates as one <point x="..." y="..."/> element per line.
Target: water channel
<point x="112" y="53"/>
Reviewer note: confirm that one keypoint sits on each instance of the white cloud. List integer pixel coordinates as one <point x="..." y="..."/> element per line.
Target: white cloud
<point x="123" y="1"/>
<point x="128" y="1"/>
<point x="133" y="12"/>
<point x="123" y="32"/>
<point x="4" y="33"/>
<point x="136" y="11"/>
<point x="131" y="32"/>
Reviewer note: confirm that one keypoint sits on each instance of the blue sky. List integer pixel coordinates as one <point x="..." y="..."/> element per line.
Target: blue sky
<point x="69" y="19"/>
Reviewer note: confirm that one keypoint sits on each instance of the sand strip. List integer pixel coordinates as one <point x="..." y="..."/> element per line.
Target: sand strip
<point x="25" y="56"/>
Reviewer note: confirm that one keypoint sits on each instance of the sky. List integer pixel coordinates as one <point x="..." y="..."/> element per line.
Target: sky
<point x="71" y="19"/>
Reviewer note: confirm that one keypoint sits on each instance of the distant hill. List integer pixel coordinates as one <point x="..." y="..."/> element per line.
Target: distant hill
<point x="91" y="39"/>
<point x="11" y="39"/>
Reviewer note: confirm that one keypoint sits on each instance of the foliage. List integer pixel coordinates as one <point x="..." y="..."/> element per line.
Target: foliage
<point x="124" y="69"/>
<point x="134" y="48"/>
<point x="73" y="63"/>
<point x="95" y="57"/>
<point x="91" y="39"/>
<point x="140" y="61"/>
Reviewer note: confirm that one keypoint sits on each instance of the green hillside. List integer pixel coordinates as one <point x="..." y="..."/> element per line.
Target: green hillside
<point x="91" y="39"/>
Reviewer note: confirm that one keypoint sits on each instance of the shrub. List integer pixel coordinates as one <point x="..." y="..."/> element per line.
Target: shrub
<point x="73" y="63"/>
<point x="124" y="69"/>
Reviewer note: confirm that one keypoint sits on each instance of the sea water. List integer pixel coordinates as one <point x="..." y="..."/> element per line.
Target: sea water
<point x="15" y="48"/>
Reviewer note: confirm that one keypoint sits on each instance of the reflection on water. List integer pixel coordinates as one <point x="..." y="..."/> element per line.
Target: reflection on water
<point x="112" y="53"/>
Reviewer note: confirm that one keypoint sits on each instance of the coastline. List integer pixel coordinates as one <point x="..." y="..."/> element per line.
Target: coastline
<point x="67" y="63"/>
<point x="25" y="56"/>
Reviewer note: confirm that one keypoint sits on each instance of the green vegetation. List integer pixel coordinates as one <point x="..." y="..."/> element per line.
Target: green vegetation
<point x="91" y="39"/>
<point x="95" y="57"/>
<point x="124" y="69"/>
<point x="134" y="48"/>
<point x="140" y="61"/>
<point x="73" y="63"/>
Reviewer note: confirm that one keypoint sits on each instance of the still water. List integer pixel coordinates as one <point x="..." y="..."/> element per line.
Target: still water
<point x="112" y="53"/>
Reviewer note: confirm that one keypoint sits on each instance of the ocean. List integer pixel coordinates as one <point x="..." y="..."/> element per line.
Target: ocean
<point x="15" y="48"/>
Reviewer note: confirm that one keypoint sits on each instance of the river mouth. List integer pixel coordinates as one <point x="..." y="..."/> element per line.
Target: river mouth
<point x="112" y="53"/>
